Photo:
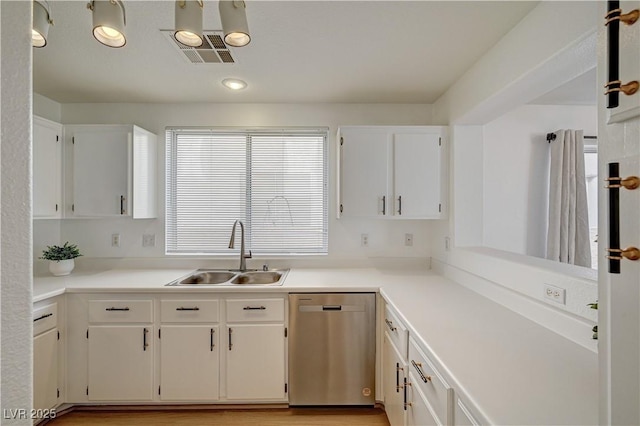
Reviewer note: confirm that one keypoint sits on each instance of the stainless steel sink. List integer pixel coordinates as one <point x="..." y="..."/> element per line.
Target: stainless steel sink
<point x="215" y="277"/>
<point x="207" y="277"/>
<point x="265" y="277"/>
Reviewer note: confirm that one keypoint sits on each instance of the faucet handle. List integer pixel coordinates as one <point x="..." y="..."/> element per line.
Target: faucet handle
<point x="248" y="256"/>
<point x="265" y="267"/>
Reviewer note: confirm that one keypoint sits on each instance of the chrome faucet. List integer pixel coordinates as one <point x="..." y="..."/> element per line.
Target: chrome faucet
<point x="243" y="257"/>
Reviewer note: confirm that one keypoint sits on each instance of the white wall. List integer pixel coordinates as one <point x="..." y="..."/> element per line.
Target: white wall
<point x="386" y="238"/>
<point x="516" y="173"/>
<point x="15" y="222"/>
<point x="544" y="51"/>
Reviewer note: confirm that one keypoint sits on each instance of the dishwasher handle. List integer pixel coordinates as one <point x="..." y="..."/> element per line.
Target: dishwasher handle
<point x="331" y="307"/>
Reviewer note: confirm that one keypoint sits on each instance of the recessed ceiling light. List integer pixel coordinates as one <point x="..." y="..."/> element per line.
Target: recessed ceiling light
<point x="234" y="84"/>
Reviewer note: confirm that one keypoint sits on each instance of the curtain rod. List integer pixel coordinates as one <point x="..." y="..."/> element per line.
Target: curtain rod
<point x="552" y="137"/>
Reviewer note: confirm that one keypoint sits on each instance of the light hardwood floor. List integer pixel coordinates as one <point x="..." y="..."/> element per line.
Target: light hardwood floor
<point x="229" y="417"/>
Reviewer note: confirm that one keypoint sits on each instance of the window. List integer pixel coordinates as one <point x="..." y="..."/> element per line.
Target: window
<point x="275" y="181"/>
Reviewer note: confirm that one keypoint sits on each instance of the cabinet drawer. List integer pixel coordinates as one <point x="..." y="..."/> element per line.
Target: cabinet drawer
<point x="120" y="311"/>
<point x="189" y="311"/>
<point x="462" y="415"/>
<point x="252" y="310"/>
<point x="397" y="332"/>
<point x="438" y="393"/>
<point x="45" y="318"/>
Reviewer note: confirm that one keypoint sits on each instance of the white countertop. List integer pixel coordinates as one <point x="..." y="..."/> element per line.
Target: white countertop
<point x="512" y="369"/>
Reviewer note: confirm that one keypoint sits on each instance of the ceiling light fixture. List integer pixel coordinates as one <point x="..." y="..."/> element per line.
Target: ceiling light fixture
<point x="234" y="84"/>
<point x="189" y="22"/>
<point x="109" y="21"/>
<point x="41" y="23"/>
<point x="234" y="22"/>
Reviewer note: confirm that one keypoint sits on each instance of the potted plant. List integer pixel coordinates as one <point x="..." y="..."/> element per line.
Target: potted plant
<point x="61" y="258"/>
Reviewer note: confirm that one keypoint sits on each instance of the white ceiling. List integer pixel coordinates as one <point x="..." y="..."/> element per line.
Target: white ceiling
<point x="301" y="51"/>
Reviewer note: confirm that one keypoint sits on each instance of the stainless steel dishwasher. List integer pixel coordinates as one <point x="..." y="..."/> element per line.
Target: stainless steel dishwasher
<point x="332" y="348"/>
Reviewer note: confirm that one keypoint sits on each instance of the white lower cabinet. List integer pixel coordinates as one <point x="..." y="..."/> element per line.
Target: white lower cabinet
<point x="120" y="363"/>
<point x="418" y="409"/>
<point x="189" y="363"/>
<point x="393" y="371"/>
<point x="255" y="361"/>
<point x="46" y="356"/>
<point x="462" y="415"/>
<point x="189" y="350"/>
<point x="255" y="349"/>
<point x="45" y="370"/>
<point x="140" y="348"/>
<point x="120" y="350"/>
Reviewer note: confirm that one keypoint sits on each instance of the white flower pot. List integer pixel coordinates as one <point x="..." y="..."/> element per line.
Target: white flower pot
<point x="62" y="267"/>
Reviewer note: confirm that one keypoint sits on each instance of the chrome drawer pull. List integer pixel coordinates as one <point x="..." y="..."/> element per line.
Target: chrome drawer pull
<point x="254" y="308"/>
<point x="43" y="317"/>
<point x="195" y="308"/>
<point x="390" y="325"/>
<point x="117" y="309"/>
<point x="417" y="366"/>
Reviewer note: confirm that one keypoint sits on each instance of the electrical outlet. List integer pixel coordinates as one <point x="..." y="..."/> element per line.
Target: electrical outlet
<point x="115" y="240"/>
<point x="148" y="240"/>
<point x="557" y="294"/>
<point x="364" y="240"/>
<point x="408" y="240"/>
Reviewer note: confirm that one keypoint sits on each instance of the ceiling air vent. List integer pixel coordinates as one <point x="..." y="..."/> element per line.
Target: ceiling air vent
<point x="212" y="51"/>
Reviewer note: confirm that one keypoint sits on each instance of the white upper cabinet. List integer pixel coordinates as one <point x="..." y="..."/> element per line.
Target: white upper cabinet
<point x="364" y="172"/>
<point x="47" y="168"/>
<point x="111" y="171"/>
<point x="391" y="172"/>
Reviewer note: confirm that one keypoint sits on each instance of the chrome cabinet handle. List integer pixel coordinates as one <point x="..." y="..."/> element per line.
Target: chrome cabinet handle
<point x="117" y="309"/>
<point x="195" y="308"/>
<point x="390" y="325"/>
<point x="144" y="339"/>
<point x="212" y="345"/>
<point x="230" y="344"/>
<point x="43" y="317"/>
<point x="254" y="308"/>
<point x="423" y="376"/>
<point x="400" y="205"/>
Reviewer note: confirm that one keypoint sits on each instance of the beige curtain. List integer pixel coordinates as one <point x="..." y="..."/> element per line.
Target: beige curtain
<point x="568" y="232"/>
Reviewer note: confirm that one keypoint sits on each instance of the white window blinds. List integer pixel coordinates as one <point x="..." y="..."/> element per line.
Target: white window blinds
<point x="275" y="181"/>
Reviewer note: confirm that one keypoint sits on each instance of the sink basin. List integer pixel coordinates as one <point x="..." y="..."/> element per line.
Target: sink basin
<point x="206" y="277"/>
<point x="266" y="277"/>
<point x="231" y="278"/>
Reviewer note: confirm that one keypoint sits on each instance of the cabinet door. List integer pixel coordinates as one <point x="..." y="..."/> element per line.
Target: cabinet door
<point x="418" y="410"/>
<point x="255" y="362"/>
<point x="393" y="380"/>
<point x="45" y="370"/>
<point x="416" y="175"/>
<point x="120" y="363"/>
<point x="364" y="173"/>
<point x="189" y="362"/>
<point x="101" y="171"/>
<point x="47" y="169"/>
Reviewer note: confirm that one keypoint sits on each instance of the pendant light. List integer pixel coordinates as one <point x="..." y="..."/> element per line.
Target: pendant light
<point x="41" y="23"/>
<point x="108" y="22"/>
<point x="234" y="22"/>
<point x="189" y="22"/>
